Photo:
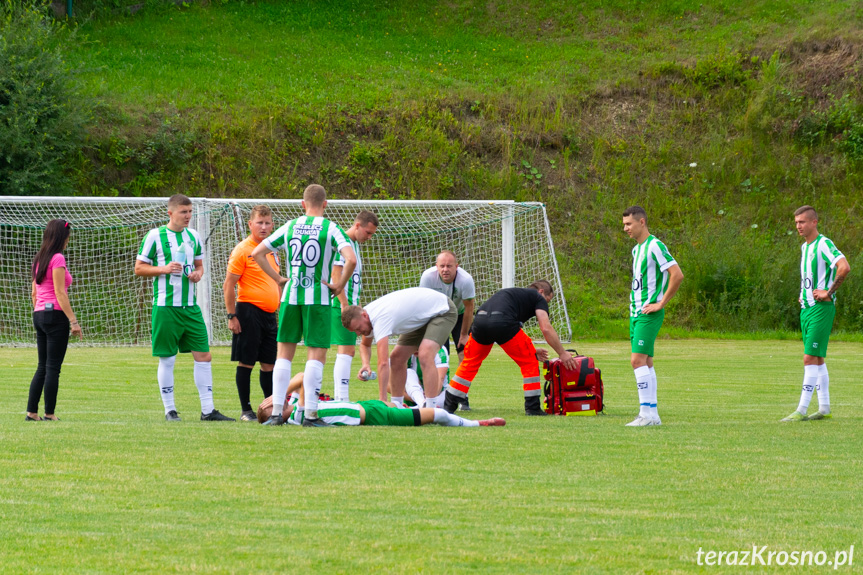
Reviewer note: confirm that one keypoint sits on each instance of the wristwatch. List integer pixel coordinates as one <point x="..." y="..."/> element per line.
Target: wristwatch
<point x="232" y="315"/>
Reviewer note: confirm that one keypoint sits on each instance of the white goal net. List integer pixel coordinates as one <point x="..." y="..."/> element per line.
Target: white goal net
<point x="501" y="244"/>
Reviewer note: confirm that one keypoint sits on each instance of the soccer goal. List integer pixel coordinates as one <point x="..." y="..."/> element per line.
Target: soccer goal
<point x="500" y="243"/>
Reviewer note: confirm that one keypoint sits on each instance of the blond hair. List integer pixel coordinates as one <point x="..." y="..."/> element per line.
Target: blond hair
<point x="260" y="210"/>
<point x="350" y="314"/>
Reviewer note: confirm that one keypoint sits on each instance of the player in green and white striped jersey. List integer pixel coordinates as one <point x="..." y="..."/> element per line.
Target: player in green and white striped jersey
<point x="365" y="225"/>
<point x="823" y="268"/>
<point x="374" y="412"/>
<point x="173" y="256"/>
<point x="311" y="242"/>
<point x="655" y="279"/>
<point x="414" y="383"/>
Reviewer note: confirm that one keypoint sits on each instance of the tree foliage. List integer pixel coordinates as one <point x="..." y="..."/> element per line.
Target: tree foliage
<point x="42" y="113"/>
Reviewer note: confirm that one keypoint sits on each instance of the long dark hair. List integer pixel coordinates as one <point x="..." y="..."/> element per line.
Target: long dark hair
<point x="53" y="241"/>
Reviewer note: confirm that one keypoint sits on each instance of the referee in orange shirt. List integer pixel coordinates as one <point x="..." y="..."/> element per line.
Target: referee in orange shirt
<point x="252" y="312"/>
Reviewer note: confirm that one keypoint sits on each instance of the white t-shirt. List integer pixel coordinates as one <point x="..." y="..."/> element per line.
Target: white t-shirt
<point x="460" y="289"/>
<point x="404" y="311"/>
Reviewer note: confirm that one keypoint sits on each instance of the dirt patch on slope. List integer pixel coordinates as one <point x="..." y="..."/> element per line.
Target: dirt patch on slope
<point x="825" y="67"/>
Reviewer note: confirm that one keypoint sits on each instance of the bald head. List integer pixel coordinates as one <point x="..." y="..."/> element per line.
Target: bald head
<point x="446" y="265"/>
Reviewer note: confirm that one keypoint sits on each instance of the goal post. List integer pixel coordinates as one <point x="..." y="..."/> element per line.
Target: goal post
<point x="500" y="243"/>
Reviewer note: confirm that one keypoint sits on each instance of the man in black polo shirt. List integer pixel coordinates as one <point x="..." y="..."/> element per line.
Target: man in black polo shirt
<point x="499" y="321"/>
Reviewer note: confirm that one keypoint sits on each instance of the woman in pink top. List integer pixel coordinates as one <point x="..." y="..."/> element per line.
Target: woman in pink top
<point x="52" y="317"/>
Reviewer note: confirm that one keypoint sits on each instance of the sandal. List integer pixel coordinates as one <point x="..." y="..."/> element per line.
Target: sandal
<point x="28" y="418"/>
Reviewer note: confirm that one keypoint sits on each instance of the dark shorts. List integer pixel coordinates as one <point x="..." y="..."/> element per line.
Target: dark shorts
<point x="493" y="327"/>
<point x="456" y="334"/>
<point x="257" y="341"/>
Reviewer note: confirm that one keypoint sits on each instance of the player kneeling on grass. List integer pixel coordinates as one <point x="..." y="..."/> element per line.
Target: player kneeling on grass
<point x="373" y="412"/>
<point x="414" y="385"/>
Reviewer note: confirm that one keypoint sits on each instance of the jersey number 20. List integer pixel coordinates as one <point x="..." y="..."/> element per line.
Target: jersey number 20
<point x="307" y="254"/>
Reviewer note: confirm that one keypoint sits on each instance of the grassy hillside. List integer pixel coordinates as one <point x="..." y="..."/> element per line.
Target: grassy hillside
<point x="719" y="117"/>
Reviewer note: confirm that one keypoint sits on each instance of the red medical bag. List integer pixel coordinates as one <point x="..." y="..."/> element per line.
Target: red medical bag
<point x="573" y="392"/>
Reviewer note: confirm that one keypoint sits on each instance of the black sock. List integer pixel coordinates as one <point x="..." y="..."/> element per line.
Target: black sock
<point x="266" y="380"/>
<point x="244" y="378"/>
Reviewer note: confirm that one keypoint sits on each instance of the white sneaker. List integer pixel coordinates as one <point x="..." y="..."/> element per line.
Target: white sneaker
<point x="644" y="421"/>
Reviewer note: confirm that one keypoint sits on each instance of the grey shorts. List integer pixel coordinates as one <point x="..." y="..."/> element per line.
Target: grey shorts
<point x="438" y="329"/>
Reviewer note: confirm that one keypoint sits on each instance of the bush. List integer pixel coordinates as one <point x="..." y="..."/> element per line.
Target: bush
<point x="851" y="143"/>
<point x="42" y="113"/>
<point x="841" y="123"/>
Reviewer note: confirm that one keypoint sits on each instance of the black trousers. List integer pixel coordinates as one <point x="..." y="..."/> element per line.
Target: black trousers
<point x="52" y="339"/>
<point x="494" y="327"/>
<point x="456" y="334"/>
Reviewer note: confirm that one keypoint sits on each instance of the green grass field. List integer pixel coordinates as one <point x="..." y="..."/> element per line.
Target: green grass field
<point x="113" y="488"/>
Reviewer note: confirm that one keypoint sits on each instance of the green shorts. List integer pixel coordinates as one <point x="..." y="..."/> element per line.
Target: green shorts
<point x="309" y="323"/>
<point x="643" y="331"/>
<point x="379" y="413"/>
<point x="339" y="334"/>
<point x="178" y="329"/>
<point x="816" y="323"/>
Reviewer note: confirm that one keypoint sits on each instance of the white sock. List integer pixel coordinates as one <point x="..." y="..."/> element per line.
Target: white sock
<point x="642" y="380"/>
<point x="810" y="380"/>
<point x="165" y="377"/>
<point x="654" y="411"/>
<point x="823" y="387"/>
<point x="440" y="399"/>
<point x="441" y="417"/>
<point x="399" y="400"/>
<point x="342" y="376"/>
<point x="204" y="382"/>
<point x="281" y="381"/>
<point x="312" y="380"/>
<point x="431" y="402"/>
<point x="413" y="388"/>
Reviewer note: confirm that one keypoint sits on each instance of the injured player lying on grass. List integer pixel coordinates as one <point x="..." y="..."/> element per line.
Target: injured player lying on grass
<point x="374" y="412"/>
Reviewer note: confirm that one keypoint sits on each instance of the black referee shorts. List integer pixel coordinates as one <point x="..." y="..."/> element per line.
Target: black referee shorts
<point x="257" y="340"/>
<point x="456" y="334"/>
